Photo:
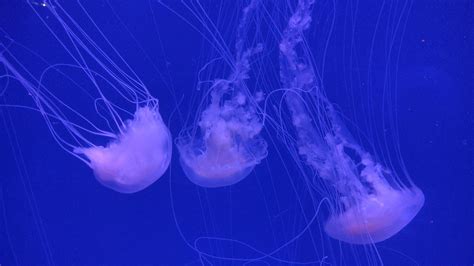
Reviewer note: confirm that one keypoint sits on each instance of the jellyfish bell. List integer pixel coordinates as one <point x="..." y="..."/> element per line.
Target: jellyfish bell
<point x="229" y="147"/>
<point x="374" y="204"/>
<point x="376" y="217"/>
<point x="138" y="157"/>
<point x="216" y="167"/>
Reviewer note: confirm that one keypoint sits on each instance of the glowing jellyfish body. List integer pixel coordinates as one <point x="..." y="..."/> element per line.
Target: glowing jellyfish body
<point x="376" y="217"/>
<point x="372" y="209"/>
<point x="138" y="145"/>
<point x="137" y="158"/>
<point x="229" y="145"/>
<point x="371" y="203"/>
<point x="223" y="163"/>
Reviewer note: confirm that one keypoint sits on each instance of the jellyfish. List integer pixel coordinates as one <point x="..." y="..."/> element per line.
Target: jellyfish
<point x="136" y="157"/>
<point x="371" y="203"/>
<point x="136" y="144"/>
<point x="228" y="145"/>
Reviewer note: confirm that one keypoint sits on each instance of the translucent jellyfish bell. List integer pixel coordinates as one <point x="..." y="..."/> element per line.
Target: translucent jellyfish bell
<point x="370" y="203"/>
<point x="137" y="157"/>
<point x="376" y="217"/>
<point x="230" y="147"/>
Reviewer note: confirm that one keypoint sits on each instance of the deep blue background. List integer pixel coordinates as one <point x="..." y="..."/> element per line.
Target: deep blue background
<point x="86" y="223"/>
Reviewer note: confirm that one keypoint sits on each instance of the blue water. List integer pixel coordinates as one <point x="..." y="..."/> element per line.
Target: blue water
<point x="54" y="212"/>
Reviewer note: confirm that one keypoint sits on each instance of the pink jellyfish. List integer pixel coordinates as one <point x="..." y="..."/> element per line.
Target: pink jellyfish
<point x="136" y="148"/>
<point x="370" y="202"/>
<point x="228" y="145"/>
<point x="136" y="157"/>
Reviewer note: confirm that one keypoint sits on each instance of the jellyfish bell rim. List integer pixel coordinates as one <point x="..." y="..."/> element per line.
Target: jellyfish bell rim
<point x="398" y="209"/>
<point x="119" y="187"/>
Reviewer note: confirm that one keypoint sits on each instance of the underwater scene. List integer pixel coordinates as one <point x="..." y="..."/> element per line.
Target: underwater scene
<point x="246" y="132"/>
